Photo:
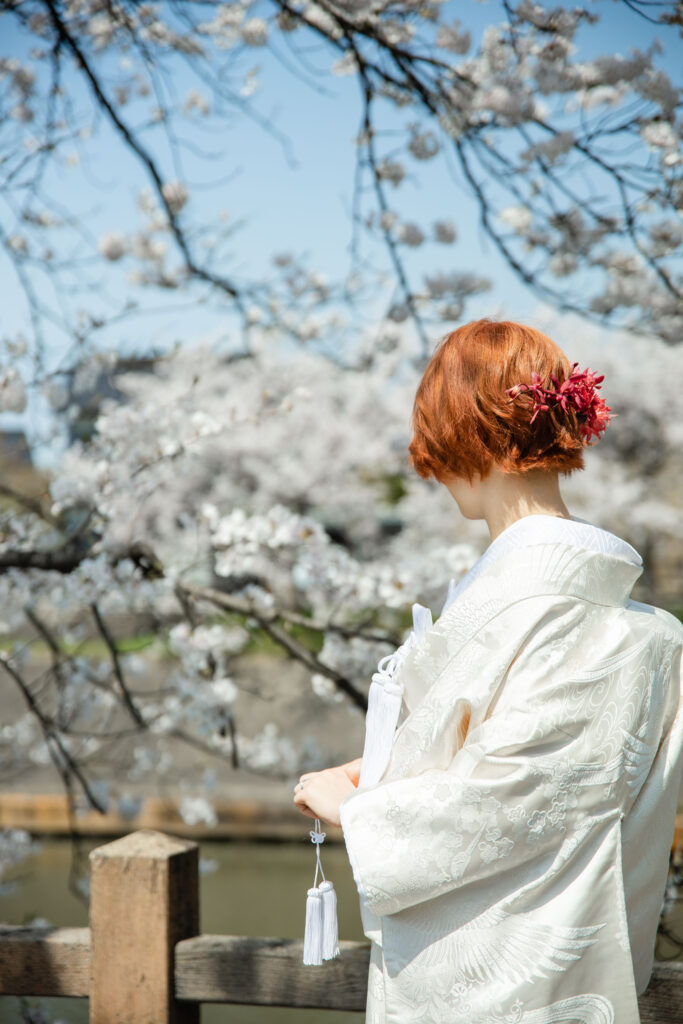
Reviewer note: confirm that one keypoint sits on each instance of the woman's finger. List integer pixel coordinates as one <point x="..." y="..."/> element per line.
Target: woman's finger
<point x="300" y="796"/>
<point x="303" y="806"/>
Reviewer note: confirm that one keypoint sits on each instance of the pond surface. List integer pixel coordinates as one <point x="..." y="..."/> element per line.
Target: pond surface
<point x="256" y="889"/>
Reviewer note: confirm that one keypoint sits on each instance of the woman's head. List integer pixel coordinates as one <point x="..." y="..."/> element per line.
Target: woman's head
<point x="464" y="422"/>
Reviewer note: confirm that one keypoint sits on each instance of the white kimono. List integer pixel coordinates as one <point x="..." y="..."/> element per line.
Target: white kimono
<point x="511" y="854"/>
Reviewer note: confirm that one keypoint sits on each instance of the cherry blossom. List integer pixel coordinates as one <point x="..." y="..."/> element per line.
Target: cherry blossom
<point x="263" y="489"/>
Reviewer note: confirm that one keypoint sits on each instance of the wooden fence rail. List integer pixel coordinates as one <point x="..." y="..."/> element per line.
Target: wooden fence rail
<point x="143" y="960"/>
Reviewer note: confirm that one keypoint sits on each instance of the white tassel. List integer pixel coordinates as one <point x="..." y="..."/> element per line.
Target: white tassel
<point x="321" y="936"/>
<point x="330" y="945"/>
<point x="384" y="703"/>
<point x="313" y="934"/>
<point x="384" y="706"/>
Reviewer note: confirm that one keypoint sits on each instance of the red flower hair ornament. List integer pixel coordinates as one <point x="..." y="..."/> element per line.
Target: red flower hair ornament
<point x="578" y="392"/>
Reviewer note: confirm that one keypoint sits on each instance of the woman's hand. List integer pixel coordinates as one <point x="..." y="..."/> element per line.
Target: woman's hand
<point x="352" y="769"/>
<point x="325" y="790"/>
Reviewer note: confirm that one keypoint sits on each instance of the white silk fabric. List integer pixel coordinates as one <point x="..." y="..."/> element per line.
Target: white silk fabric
<point x="511" y="856"/>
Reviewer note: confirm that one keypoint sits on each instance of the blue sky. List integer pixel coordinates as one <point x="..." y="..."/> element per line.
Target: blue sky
<point x="289" y="200"/>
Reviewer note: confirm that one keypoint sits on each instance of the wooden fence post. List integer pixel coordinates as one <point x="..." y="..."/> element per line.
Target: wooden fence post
<point x="144" y="897"/>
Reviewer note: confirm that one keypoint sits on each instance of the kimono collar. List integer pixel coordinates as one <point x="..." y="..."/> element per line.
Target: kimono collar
<point x="543" y="529"/>
<point x="536" y="555"/>
<point x="560" y="552"/>
<point x="524" y="532"/>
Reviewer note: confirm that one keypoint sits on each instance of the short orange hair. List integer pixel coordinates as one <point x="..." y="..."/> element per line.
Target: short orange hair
<point x="463" y="421"/>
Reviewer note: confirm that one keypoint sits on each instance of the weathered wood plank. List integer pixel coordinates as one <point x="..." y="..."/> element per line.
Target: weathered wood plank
<point x="237" y="969"/>
<point x="143" y="898"/>
<point x="269" y="972"/>
<point x="44" y="961"/>
<point x="662" y="1001"/>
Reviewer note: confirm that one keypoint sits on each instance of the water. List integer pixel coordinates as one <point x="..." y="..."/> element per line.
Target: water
<point x="256" y="889"/>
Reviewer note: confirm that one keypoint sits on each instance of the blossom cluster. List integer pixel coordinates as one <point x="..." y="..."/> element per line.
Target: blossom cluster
<point x="275" y="471"/>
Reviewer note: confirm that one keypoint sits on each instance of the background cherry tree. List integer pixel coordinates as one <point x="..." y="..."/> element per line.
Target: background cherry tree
<point x="263" y="489"/>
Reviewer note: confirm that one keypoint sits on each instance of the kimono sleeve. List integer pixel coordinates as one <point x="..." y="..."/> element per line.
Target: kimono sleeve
<point x="507" y="798"/>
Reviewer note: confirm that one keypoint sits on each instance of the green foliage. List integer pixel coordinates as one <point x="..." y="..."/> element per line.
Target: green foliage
<point x="395" y="487"/>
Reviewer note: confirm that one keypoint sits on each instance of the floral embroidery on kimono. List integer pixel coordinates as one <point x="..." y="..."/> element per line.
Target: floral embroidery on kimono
<point x="540" y="746"/>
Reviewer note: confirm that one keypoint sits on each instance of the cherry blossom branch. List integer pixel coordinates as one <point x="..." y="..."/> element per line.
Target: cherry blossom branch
<point x="221" y="282"/>
<point x="65" y="764"/>
<point x="268" y="621"/>
<point x="118" y="672"/>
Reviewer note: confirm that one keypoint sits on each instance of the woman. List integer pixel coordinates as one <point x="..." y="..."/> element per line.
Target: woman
<point x="510" y="842"/>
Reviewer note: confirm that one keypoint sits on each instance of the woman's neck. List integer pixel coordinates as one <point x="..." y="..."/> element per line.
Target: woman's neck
<point x="508" y="497"/>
